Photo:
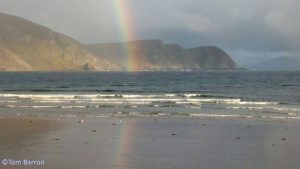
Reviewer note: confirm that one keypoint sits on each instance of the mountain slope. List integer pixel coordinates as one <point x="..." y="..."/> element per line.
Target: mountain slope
<point x="281" y="63"/>
<point x="208" y="57"/>
<point x="26" y="46"/>
<point x="156" y="55"/>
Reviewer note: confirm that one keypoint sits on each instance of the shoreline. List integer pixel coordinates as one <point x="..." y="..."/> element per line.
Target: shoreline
<point x="135" y="115"/>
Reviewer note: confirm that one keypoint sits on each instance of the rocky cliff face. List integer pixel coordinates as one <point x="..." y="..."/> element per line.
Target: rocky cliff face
<point x="156" y="55"/>
<point x="208" y="57"/>
<point x="26" y="46"/>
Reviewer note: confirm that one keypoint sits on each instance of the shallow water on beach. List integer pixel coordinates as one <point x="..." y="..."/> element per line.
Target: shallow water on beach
<point x="195" y="94"/>
<point x="144" y="143"/>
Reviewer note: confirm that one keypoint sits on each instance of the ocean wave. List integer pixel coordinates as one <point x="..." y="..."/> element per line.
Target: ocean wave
<point x="265" y="108"/>
<point x="23" y="106"/>
<point x="157" y="99"/>
<point x="216" y="115"/>
<point x="178" y="102"/>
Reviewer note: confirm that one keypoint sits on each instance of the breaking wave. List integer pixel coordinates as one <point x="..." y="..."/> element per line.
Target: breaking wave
<point x="192" y="104"/>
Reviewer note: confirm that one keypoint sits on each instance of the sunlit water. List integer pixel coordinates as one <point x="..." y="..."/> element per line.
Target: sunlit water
<point x="195" y="94"/>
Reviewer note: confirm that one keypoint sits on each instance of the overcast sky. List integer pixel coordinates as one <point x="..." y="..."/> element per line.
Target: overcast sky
<point x="249" y="30"/>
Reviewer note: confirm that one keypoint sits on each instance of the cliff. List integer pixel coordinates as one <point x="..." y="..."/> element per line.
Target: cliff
<point x="155" y="55"/>
<point x="208" y="57"/>
<point x="26" y="46"/>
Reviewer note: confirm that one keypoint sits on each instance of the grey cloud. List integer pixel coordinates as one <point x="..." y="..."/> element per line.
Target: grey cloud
<point x="255" y="27"/>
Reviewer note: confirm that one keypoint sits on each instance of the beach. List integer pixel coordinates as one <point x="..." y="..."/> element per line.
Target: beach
<point x="149" y="120"/>
<point x="150" y="142"/>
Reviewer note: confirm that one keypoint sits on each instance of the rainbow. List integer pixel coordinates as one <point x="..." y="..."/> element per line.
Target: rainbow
<point x="124" y="147"/>
<point x="127" y="31"/>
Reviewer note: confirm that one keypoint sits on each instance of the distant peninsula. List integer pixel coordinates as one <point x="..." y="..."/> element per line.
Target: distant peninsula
<point x="27" y="46"/>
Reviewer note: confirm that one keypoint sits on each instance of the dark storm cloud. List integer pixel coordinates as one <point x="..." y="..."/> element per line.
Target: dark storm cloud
<point x="244" y="28"/>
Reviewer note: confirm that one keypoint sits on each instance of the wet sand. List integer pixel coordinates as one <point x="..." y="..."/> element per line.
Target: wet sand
<point x="150" y="143"/>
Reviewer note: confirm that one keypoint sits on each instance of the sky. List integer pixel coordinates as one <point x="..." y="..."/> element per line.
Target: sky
<point x="250" y="31"/>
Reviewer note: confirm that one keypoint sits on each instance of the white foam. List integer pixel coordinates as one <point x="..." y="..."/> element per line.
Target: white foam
<point x="126" y="97"/>
<point x="195" y="107"/>
<point x="85" y="96"/>
<point x="259" y="103"/>
<point x="108" y="95"/>
<point x="32" y="96"/>
<point x="52" y="101"/>
<point x="8" y="101"/>
<point x="140" y="96"/>
<point x="276" y="117"/>
<point x="233" y="107"/>
<point x="229" y="101"/>
<point x="261" y="108"/>
<point x="11" y="106"/>
<point x="70" y="107"/>
<point x="286" y="109"/>
<point x="292" y="114"/>
<point x="215" y="115"/>
<point x="21" y="106"/>
<point x="237" y="107"/>
<point x="192" y="95"/>
<point x="162" y="114"/>
<point x="98" y="100"/>
<point x="170" y="95"/>
<point x="43" y="106"/>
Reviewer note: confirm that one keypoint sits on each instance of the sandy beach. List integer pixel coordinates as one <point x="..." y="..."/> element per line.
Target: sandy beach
<point x="150" y="143"/>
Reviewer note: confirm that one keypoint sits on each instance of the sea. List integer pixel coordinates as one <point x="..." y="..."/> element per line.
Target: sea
<point x="212" y="94"/>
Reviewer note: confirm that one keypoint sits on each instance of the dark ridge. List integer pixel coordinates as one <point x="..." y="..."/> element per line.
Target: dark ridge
<point x="27" y="46"/>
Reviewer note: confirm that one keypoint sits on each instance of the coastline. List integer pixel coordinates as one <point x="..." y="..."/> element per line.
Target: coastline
<point x="156" y="142"/>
